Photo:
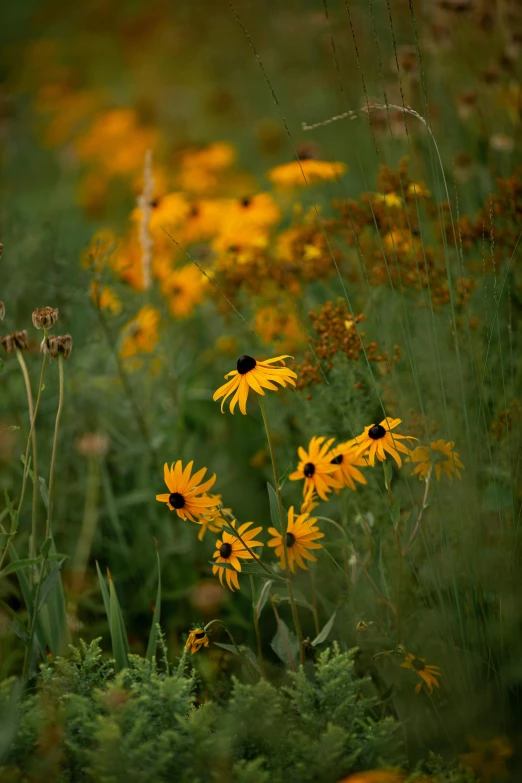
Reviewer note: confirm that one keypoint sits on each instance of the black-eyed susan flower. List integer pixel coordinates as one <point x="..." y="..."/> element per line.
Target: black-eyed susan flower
<point x="346" y="459"/>
<point x="439" y="455"/>
<point x="428" y="674"/>
<point x="301" y="535"/>
<point x="316" y="468"/>
<point x="197" y="638"/>
<point x="186" y="495"/>
<point x="310" y="502"/>
<point x="214" y="521"/>
<point x="377" y="439"/>
<point x="256" y="375"/>
<point x="305" y="171"/>
<point x="230" y="549"/>
<point x="488" y="759"/>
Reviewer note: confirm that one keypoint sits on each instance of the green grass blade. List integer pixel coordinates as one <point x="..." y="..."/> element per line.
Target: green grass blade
<point x="153" y="636"/>
<point x="120" y="645"/>
<point x="104" y="592"/>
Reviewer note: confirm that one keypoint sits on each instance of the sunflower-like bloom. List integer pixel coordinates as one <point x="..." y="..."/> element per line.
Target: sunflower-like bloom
<point x="186" y="495"/>
<point x="377" y="439"/>
<point x="316" y="468"/>
<point x="230" y="549"/>
<point x="305" y="171"/>
<point x="301" y="535"/>
<point x="251" y="374"/>
<point x="439" y="455"/>
<point x="214" y="520"/>
<point x="197" y="638"/>
<point x="487" y="759"/>
<point x="345" y="458"/>
<point x="427" y="674"/>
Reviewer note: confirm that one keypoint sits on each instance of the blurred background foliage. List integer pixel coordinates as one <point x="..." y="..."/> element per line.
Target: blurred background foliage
<point x="85" y="91"/>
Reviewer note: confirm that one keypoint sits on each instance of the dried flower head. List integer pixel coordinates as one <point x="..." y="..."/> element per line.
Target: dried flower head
<point x="92" y="444"/>
<point x="16" y="341"/>
<point x="45" y="317"/>
<point x="2" y="311"/>
<point x="58" y="345"/>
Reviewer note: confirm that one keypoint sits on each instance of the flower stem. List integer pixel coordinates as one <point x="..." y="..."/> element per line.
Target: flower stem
<point x="240" y="655"/>
<point x="55" y="448"/>
<point x="283" y="523"/>
<point x="23" y="367"/>
<point x="30" y="437"/>
<point x="398" y="616"/>
<point x="256" y="626"/>
<point x="421" y="512"/>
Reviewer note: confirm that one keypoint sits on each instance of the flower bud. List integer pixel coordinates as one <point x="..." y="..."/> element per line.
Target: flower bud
<point x="45" y="317"/>
<point x="2" y="311"/>
<point x="16" y="341"/>
<point x="58" y="345"/>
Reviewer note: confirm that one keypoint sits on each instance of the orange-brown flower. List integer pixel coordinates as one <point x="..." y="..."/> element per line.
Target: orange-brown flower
<point x="377" y="439"/>
<point x="428" y="674"/>
<point x="186" y="495"/>
<point x="256" y="375"/>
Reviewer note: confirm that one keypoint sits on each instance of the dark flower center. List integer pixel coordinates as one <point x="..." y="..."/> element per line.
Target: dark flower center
<point x="418" y="664"/>
<point x="488" y="754"/>
<point x="225" y="550"/>
<point x="155" y="203"/>
<point x="376" y="432"/>
<point x="309" y="469"/>
<point x="199" y="635"/>
<point x="176" y="500"/>
<point x="336" y="460"/>
<point x="290" y="539"/>
<point x="245" y="364"/>
<point x="245" y="202"/>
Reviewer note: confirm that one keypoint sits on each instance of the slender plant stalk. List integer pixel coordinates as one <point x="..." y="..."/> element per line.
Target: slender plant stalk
<point x="27" y="658"/>
<point x="25" y="373"/>
<point x="345" y="553"/>
<point x="256" y="626"/>
<point x="398" y="616"/>
<point x="314" y="602"/>
<point x="30" y="437"/>
<point x="424" y="506"/>
<point x="241" y="656"/>
<point x="283" y="532"/>
<point x="55" y="448"/>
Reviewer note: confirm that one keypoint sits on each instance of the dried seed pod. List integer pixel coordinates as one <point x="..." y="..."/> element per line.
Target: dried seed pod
<point x="16" y="341"/>
<point x="58" y="345"/>
<point x="2" y="311"/>
<point x="45" y="317"/>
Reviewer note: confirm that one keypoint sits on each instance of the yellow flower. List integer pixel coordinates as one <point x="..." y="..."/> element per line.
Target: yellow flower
<point x="256" y="375"/>
<point x="116" y="141"/>
<point x="345" y="457"/>
<point x="427" y="674"/>
<point x="316" y="468"/>
<point x="487" y="759"/>
<point x="186" y="496"/>
<point x="127" y="263"/>
<point x="378" y="439"/>
<point x="104" y="298"/>
<point x="197" y="638"/>
<point x="390" y="200"/>
<point x="213" y="521"/>
<point x="229" y="549"/>
<point x="301" y="535"/>
<point x="166" y="212"/>
<point x="101" y="247"/>
<point x="201" y="169"/>
<point x="141" y="333"/>
<point x="309" y="502"/>
<point x="278" y="325"/>
<point x="305" y="171"/>
<point x="184" y="288"/>
<point x="418" y="189"/>
<point x="438" y="455"/>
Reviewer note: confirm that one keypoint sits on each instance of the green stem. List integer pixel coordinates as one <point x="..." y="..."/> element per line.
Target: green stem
<point x="29" y="439"/>
<point x="241" y="656"/>
<point x="283" y="523"/>
<point x="256" y="626"/>
<point x="25" y="373"/>
<point x="421" y="512"/>
<point x="55" y="448"/>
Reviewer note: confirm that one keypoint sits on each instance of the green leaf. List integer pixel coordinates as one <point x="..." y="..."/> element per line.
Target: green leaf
<point x="12" y="513"/>
<point x="228" y="647"/>
<point x="18" y="627"/>
<point x="322" y="636"/>
<point x="13" y="568"/>
<point x="46" y="547"/>
<point x="44" y="492"/>
<point x="49" y="582"/>
<point x="263" y="596"/>
<point x="395" y="513"/>
<point x="55" y="611"/>
<point x="285" y="644"/>
<point x="153" y="636"/>
<point x="274" y="506"/>
<point x="27" y="593"/>
<point x="120" y="645"/>
<point x="104" y="592"/>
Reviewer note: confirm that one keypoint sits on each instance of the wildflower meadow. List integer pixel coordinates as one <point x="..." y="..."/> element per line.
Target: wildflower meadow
<point x="260" y="391"/>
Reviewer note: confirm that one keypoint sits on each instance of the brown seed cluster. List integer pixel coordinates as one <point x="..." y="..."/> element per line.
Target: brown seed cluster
<point x="505" y="420"/>
<point x="16" y="341"/>
<point x="338" y="334"/>
<point x="58" y="345"/>
<point x="45" y="317"/>
<point x="2" y="311"/>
